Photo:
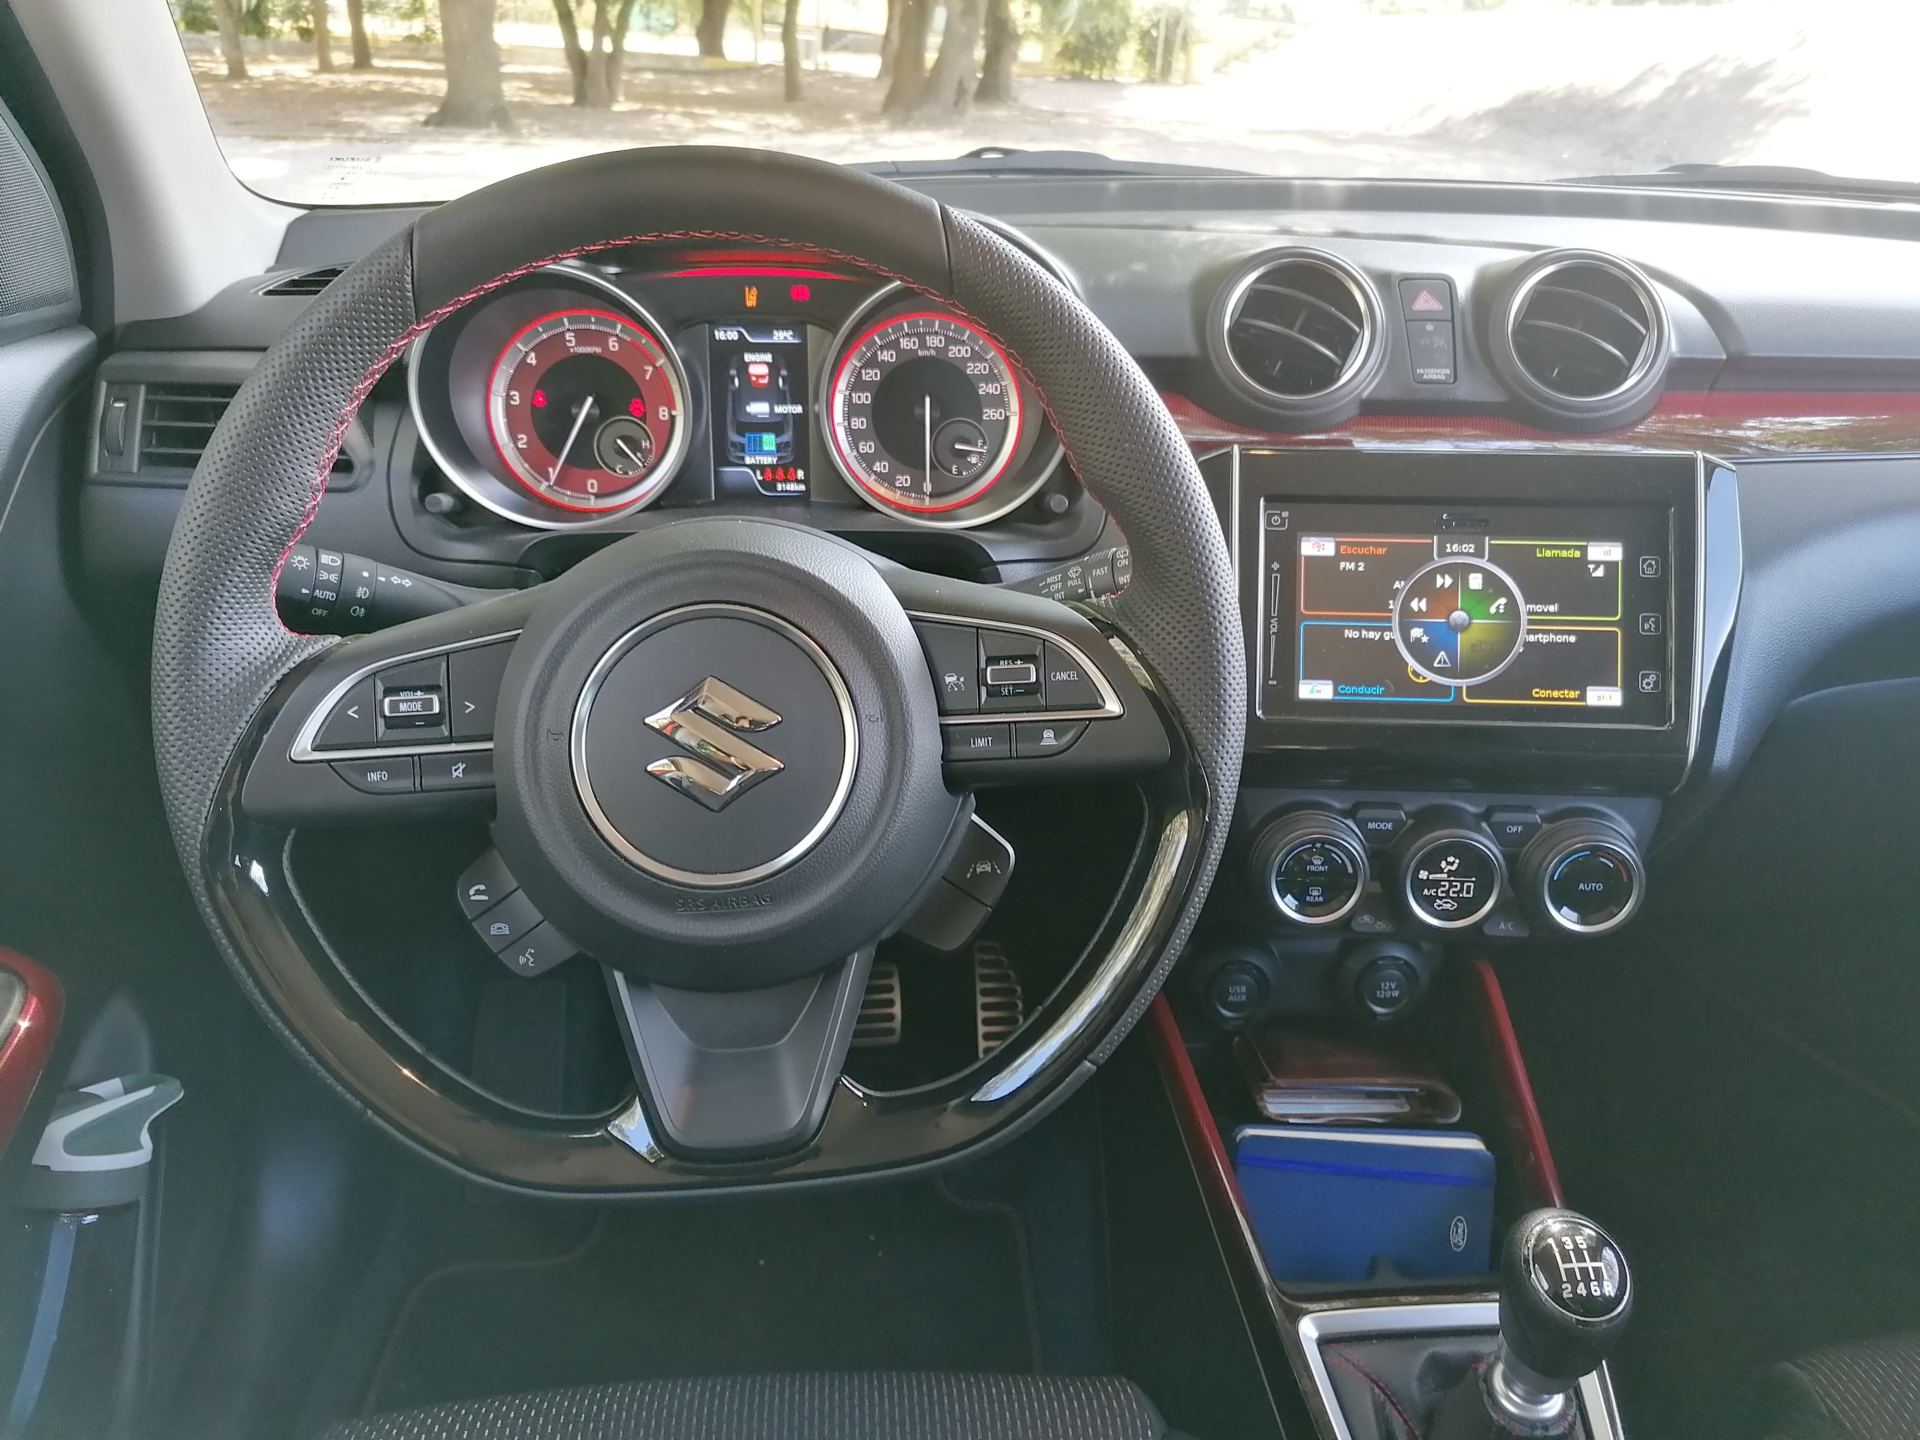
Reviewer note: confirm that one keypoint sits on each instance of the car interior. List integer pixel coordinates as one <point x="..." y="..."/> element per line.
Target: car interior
<point x="702" y="794"/>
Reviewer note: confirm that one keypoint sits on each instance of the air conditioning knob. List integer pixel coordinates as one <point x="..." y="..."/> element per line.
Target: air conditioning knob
<point x="1311" y="866"/>
<point x="1450" y="877"/>
<point x="1584" y="876"/>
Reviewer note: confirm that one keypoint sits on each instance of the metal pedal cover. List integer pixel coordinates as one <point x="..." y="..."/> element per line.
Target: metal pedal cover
<point x="999" y="1007"/>
<point x="882" y="1009"/>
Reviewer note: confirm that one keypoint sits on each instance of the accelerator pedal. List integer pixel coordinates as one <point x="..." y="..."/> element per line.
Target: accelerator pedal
<point x="999" y="1006"/>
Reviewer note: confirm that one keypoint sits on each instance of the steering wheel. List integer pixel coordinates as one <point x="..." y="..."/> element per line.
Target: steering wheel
<point x="718" y="762"/>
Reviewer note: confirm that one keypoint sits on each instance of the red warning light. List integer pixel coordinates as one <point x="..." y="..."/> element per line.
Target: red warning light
<point x="637" y="408"/>
<point x="539" y="399"/>
<point x="799" y="294"/>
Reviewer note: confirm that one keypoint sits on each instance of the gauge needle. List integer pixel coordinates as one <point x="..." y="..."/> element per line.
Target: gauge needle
<point x="579" y="419"/>
<point x="632" y="454"/>
<point x="926" y="427"/>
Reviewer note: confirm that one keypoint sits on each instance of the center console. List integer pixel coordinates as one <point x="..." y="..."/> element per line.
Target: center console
<point x="1474" y="680"/>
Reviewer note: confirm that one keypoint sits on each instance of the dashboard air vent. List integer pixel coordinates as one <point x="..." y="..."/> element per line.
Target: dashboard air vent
<point x="306" y="284"/>
<point x="1299" y="326"/>
<point x="177" y="420"/>
<point x="1583" y="329"/>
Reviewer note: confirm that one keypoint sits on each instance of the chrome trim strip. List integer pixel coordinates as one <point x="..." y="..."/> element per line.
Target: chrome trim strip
<point x="1155" y="895"/>
<point x="630" y="1128"/>
<point x="583" y="784"/>
<point x="1596" y="1390"/>
<point x="303" y="742"/>
<point x="1110" y="706"/>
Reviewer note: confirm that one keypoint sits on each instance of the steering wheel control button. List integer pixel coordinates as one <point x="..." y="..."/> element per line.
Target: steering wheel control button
<point x="1034" y="739"/>
<point x="413" y="700"/>
<point x="538" y="951"/>
<point x="1452" y="879"/>
<point x="393" y="775"/>
<point x="484" y="884"/>
<point x="1069" y="687"/>
<point x="1010" y="671"/>
<point x="953" y="657"/>
<point x="1312" y="866"/>
<point x="351" y="723"/>
<point x="508" y="921"/>
<point x="1380" y="824"/>
<point x="1513" y="826"/>
<point x="1584" y="876"/>
<point x="978" y="742"/>
<point x="456" y="770"/>
<point x="473" y="688"/>
<point x="983" y="864"/>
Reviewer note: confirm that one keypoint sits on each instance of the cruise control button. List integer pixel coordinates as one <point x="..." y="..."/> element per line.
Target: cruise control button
<point x="1033" y="739"/>
<point x="379" y="777"/>
<point x="349" y="725"/>
<point x="508" y="921"/>
<point x="978" y="742"/>
<point x="1069" y="687"/>
<point x="472" y="770"/>
<point x="953" y="657"/>
<point x="484" y="884"/>
<point x="473" y="689"/>
<point x="538" y="951"/>
<point x="1009" y="671"/>
<point x="983" y="864"/>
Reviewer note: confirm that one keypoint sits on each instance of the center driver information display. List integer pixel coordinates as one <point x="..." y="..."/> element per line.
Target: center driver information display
<point x="761" y="419"/>
<point x="1561" y="613"/>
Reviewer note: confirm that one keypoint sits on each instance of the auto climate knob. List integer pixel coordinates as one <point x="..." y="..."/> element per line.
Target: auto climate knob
<point x="1311" y="866"/>
<point x="1450" y="878"/>
<point x="1584" y="876"/>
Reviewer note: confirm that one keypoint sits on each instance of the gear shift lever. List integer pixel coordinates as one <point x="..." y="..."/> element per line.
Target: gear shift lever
<point x="1565" y="1295"/>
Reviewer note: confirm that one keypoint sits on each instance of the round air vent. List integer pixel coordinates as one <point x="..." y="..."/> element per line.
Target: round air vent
<point x="1583" y="338"/>
<point x="1299" y="332"/>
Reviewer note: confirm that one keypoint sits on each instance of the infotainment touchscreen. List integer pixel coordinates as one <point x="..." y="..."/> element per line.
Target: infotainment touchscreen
<point x="1467" y="612"/>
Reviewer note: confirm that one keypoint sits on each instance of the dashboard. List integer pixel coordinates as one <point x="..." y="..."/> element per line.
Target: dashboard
<point x="1525" y="486"/>
<point x="583" y="394"/>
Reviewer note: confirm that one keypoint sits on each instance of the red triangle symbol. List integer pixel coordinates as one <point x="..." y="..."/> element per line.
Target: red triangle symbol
<point x="1427" y="302"/>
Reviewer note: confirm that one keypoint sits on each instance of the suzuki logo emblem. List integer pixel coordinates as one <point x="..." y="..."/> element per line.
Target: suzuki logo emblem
<point x="708" y="722"/>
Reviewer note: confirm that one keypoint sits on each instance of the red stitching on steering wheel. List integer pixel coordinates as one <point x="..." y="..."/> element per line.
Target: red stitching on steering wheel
<point x="323" y="471"/>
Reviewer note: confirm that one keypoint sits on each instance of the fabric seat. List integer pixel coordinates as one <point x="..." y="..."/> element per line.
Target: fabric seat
<point x="866" y="1406"/>
<point x="1864" y="1391"/>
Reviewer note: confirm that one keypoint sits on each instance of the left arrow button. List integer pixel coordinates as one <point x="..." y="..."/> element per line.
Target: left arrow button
<point x="350" y="724"/>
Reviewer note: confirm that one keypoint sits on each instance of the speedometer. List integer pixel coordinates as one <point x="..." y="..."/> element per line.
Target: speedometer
<point x="924" y="412"/>
<point x="587" y="410"/>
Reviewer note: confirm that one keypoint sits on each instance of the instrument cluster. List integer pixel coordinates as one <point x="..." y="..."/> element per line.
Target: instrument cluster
<point x="579" y="395"/>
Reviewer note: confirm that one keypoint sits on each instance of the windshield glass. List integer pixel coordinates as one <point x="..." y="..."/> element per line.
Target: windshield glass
<point x="357" y="101"/>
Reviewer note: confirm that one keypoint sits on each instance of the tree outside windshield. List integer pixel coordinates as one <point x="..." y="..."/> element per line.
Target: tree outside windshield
<point x="358" y="101"/>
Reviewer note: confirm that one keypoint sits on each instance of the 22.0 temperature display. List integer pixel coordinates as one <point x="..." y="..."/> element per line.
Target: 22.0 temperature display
<point x="924" y="412"/>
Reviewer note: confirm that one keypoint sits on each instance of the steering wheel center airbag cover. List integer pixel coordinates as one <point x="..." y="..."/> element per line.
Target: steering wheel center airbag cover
<point x="719" y="756"/>
<point x="726" y="708"/>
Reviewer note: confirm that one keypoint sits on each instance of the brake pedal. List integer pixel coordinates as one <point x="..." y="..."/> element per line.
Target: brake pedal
<point x="882" y="1009"/>
<point x="999" y="1006"/>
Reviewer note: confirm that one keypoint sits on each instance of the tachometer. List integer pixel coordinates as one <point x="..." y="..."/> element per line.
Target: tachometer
<point x="587" y="410"/>
<point x="924" y="412"/>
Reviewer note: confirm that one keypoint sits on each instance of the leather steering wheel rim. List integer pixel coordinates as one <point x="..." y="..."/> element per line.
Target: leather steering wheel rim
<point x="221" y="653"/>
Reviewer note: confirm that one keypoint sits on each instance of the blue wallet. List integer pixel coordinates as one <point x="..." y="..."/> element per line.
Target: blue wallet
<point x="1326" y="1204"/>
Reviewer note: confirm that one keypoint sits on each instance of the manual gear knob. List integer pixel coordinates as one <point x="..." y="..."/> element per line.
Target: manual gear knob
<point x="1565" y="1296"/>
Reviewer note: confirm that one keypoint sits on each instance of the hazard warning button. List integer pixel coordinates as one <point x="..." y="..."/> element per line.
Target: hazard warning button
<point x="1426" y="299"/>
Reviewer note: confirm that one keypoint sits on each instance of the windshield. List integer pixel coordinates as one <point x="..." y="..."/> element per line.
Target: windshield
<point x="358" y="101"/>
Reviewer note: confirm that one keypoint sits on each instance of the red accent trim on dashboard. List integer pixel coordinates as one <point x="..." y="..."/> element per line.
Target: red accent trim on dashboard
<point x="1190" y="1105"/>
<point x="753" y="271"/>
<point x="27" y="1045"/>
<point x="1732" y="423"/>
<point x="1526" y="1132"/>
